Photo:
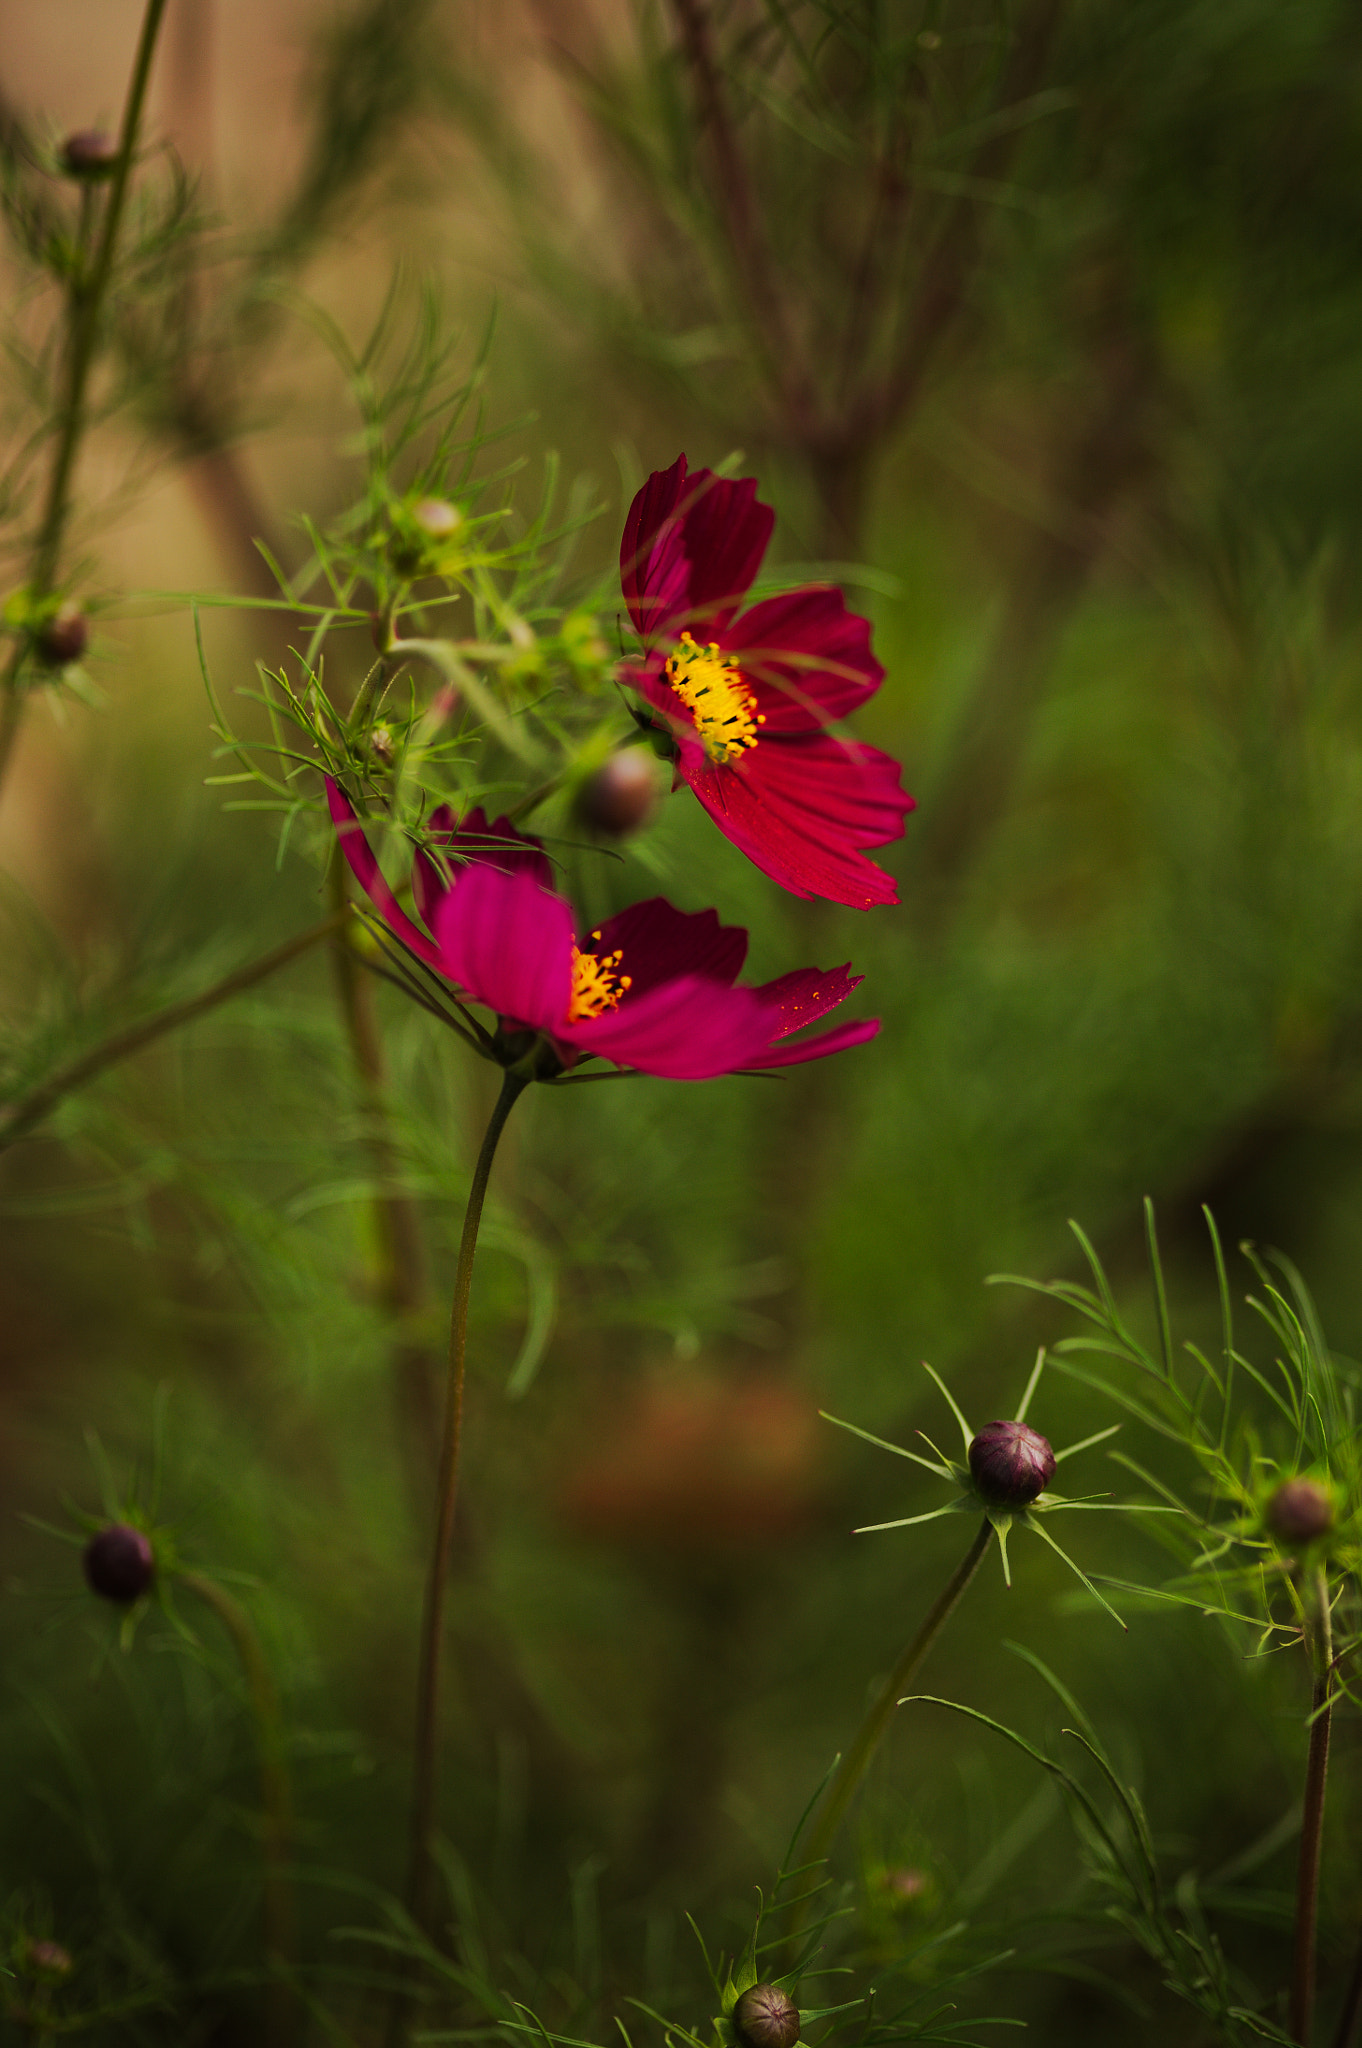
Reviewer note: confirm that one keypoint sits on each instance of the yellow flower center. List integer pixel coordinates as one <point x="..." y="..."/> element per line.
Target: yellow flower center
<point x="597" y="984"/>
<point x="713" y="691"/>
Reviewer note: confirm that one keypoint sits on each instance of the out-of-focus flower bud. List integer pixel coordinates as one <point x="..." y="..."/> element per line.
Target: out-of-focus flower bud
<point x="64" y="638"/>
<point x="766" y="2017"/>
<point x="120" y="1563"/>
<point x="48" y="1959"/>
<point x="437" y="518"/>
<point x="1299" y="1512"/>
<point x="381" y="746"/>
<point x="1010" y="1463"/>
<point x="90" y="153"/>
<point x="622" y="795"/>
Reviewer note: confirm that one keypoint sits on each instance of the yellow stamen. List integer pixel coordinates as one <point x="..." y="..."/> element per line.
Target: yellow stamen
<point x="597" y="984"/>
<point x="713" y="691"/>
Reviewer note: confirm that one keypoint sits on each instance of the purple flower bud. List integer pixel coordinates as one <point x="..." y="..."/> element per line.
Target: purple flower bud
<point x="1299" y="1512"/>
<point x="119" y="1563"/>
<point x="64" y="638"/>
<point x="90" y="153"/>
<point x="1010" y="1463"/>
<point x="766" y="2017"/>
<point x="622" y="795"/>
<point x="48" y="1959"/>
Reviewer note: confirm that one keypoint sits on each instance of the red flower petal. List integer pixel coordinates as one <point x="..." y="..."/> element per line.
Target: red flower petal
<point x="801" y="808"/>
<point x="839" y="1040"/>
<point x="364" y="866"/>
<point x="690" y="1029"/>
<point x="691" y="547"/>
<point x="660" y="942"/>
<point x="471" y="838"/>
<point x="508" y="943"/>
<point x="806" y="995"/>
<point x="807" y="658"/>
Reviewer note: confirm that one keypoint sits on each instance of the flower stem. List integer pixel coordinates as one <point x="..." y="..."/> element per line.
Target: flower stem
<point x="276" y="1806"/>
<point x="856" y="1761"/>
<point x="1352" y="2007"/>
<point x="20" y="1117"/>
<point x="401" y="1288"/>
<point x="85" y="304"/>
<point x="1318" y="1642"/>
<point x="432" y="1619"/>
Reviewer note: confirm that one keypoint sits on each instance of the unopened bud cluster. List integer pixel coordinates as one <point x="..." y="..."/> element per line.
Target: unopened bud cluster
<point x="1010" y="1464"/>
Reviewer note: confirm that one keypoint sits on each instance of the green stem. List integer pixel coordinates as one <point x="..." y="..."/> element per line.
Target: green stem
<point x="400" y="1250"/>
<point x="85" y="306"/>
<point x="432" y="1620"/>
<point x="856" y="1761"/>
<point x="276" y="1806"/>
<point x="1319" y="1643"/>
<point x="21" y="1117"/>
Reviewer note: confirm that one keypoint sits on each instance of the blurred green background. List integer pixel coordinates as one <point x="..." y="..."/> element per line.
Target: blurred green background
<point x="1039" y="327"/>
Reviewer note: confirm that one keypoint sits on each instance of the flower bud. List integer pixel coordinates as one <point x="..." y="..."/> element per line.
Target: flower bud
<point x="622" y="795"/>
<point x="381" y="748"/>
<point x="90" y="153"/>
<point x="64" y="638"/>
<point x="437" y="518"/>
<point x="119" y="1563"/>
<point x="47" y="1959"/>
<point x="1299" y="1512"/>
<point x="766" y="2017"/>
<point x="1010" y="1463"/>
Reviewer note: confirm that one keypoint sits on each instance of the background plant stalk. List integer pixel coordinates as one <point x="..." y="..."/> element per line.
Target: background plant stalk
<point x="432" y="1620"/>
<point x="275" y="1801"/>
<point x="85" y="302"/>
<point x="1318" y="1640"/>
<point x="856" y="1761"/>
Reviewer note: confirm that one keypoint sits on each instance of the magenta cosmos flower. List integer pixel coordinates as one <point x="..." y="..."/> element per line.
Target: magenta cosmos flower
<point x="747" y="697"/>
<point x="651" y="989"/>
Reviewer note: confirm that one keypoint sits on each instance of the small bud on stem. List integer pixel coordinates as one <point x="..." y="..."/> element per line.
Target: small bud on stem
<point x="64" y="638"/>
<point x="766" y="2017"/>
<point x="1011" y="1464"/>
<point x="90" y="153"/>
<point x="622" y="795"/>
<point x="1299" y="1512"/>
<point x="119" y="1563"/>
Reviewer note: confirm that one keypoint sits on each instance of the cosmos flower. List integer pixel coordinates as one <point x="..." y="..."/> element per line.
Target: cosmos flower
<point x="746" y="698"/>
<point x="1006" y="1475"/>
<point x="651" y="989"/>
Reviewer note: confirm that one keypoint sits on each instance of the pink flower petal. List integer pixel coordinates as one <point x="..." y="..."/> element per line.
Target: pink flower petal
<point x="364" y="866"/>
<point x="841" y="1039"/>
<point x="807" y="658"/>
<point x="691" y="547"/>
<point x="466" y="839"/>
<point x="691" y="1029"/>
<point x="660" y="942"/>
<point x="802" y="808"/>
<point x="806" y="995"/>
<point x="508" y="943"/>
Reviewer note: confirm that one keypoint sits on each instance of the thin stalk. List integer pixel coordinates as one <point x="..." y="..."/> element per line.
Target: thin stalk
<point x="85" y="305"/>
<point x="275" y="1801"/>
<point x="432" y="1619"/>
<point x="21" y="1117"/>
<point x="1348" y="2019"/>
<point x="401" y="1288"/>
<point x="856" y="1761"/>
<point x="1318" y="1642"/>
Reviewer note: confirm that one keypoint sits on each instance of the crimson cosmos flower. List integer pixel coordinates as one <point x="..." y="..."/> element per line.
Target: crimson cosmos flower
<point x="747" y="697"/>
<point x="652" y="988"/>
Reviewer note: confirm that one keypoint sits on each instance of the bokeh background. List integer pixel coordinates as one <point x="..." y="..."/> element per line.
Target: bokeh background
<point x="1082" y="431"/>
